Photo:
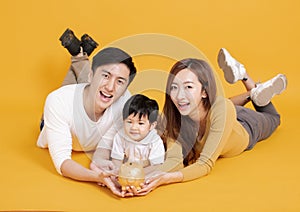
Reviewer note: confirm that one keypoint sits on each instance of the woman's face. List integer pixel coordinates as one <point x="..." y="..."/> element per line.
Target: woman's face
<point x="186" y="93"/>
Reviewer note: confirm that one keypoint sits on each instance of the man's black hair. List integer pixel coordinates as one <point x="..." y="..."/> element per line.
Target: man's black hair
<point x="112" y="55"/>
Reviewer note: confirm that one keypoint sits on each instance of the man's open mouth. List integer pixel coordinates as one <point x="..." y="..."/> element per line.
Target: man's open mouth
<point x="105" y="96"/>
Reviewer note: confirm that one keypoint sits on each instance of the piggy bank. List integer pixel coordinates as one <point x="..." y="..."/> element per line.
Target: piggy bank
<point x="131" y="174"/>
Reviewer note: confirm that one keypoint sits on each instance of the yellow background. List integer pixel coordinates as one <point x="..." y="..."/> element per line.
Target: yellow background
<point x="263" y="34"/>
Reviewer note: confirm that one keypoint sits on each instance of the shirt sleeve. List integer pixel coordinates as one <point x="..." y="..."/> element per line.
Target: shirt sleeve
<point x="117" y="151"/>
<point x="220" y="127"/>
<point x="57" y="131"/>
<point x="157" y="152"/>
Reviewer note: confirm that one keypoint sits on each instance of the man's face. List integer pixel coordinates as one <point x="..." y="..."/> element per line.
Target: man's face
<point x="108" y="84"/>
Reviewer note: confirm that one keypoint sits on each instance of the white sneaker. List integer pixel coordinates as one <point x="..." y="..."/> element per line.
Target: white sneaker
<point x="233" y="70"/>
<point x="262" y="94"/>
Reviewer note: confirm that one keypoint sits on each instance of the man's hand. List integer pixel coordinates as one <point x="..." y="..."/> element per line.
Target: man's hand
<point x="108" y="179"/>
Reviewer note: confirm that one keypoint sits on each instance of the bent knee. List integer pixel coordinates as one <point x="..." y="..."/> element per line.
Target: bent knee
<point x="277" y="120"/>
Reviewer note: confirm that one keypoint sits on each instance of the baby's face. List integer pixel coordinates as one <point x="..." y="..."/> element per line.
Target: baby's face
<point x="137" y="128"/>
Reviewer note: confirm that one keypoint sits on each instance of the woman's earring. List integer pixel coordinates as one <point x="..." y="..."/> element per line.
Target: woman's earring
<point x="204" y="94"/>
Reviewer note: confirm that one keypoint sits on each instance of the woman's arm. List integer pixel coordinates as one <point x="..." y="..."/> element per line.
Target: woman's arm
<point x="173" y="160"/>
<point x="219" y="127"/>
<point x="154" y="182"/>
<point x="219" y="130"/>
<point x="174" y="157"/>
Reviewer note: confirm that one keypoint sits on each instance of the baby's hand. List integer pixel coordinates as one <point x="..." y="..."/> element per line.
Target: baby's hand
<point x="104" y="165"/>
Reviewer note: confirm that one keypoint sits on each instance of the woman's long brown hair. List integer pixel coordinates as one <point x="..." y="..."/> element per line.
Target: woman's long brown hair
<point x="182" y="128"/>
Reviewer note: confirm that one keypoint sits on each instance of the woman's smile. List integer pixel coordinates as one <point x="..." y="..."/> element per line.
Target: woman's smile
<point x="186" y="93"/>
<point x="183" y="106"/>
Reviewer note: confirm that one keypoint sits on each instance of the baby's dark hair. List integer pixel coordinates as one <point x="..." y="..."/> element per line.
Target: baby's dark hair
<point x="141" y="105"/>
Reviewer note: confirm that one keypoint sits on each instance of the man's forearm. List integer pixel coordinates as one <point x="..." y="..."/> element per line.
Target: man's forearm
<point x="74" y="170"/>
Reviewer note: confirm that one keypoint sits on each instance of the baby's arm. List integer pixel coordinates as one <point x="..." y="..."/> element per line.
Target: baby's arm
<point x="117" y="164"/>
<point x="117" y="153"/>
<point x="101" y="159"/>
<point x="102" y="155"/>
<point x="156" y="156"/>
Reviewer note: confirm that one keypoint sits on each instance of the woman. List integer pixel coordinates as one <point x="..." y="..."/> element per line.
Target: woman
<point x="208" y="126"/>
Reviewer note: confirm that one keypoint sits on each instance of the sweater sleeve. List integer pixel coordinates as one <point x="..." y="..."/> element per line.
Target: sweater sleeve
<point x="174" y="157"/>
<point x="57" y="131"/>
<point x="218" y="131"/>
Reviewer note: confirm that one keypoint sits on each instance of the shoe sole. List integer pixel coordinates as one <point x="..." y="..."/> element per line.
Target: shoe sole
<point x="277" y="87"/>
<point x="227" y="70"/>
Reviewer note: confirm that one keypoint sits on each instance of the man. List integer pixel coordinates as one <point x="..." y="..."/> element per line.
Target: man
<point x="79" y="116"/>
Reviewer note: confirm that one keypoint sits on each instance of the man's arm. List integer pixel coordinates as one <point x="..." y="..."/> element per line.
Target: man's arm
<point x="74" y="170"/>
<point x="58" y="135"/>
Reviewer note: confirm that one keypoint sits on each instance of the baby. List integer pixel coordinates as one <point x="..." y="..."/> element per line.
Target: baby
<point x="138" y="140"/>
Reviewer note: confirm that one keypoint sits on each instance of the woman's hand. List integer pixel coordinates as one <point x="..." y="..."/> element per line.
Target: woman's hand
<point x="154" y="181"/>
<point x="158" y="180"/>
<point x="153" y="176"/>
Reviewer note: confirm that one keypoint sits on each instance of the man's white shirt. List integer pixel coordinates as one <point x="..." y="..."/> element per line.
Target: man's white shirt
<point x="68" y="127"/>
